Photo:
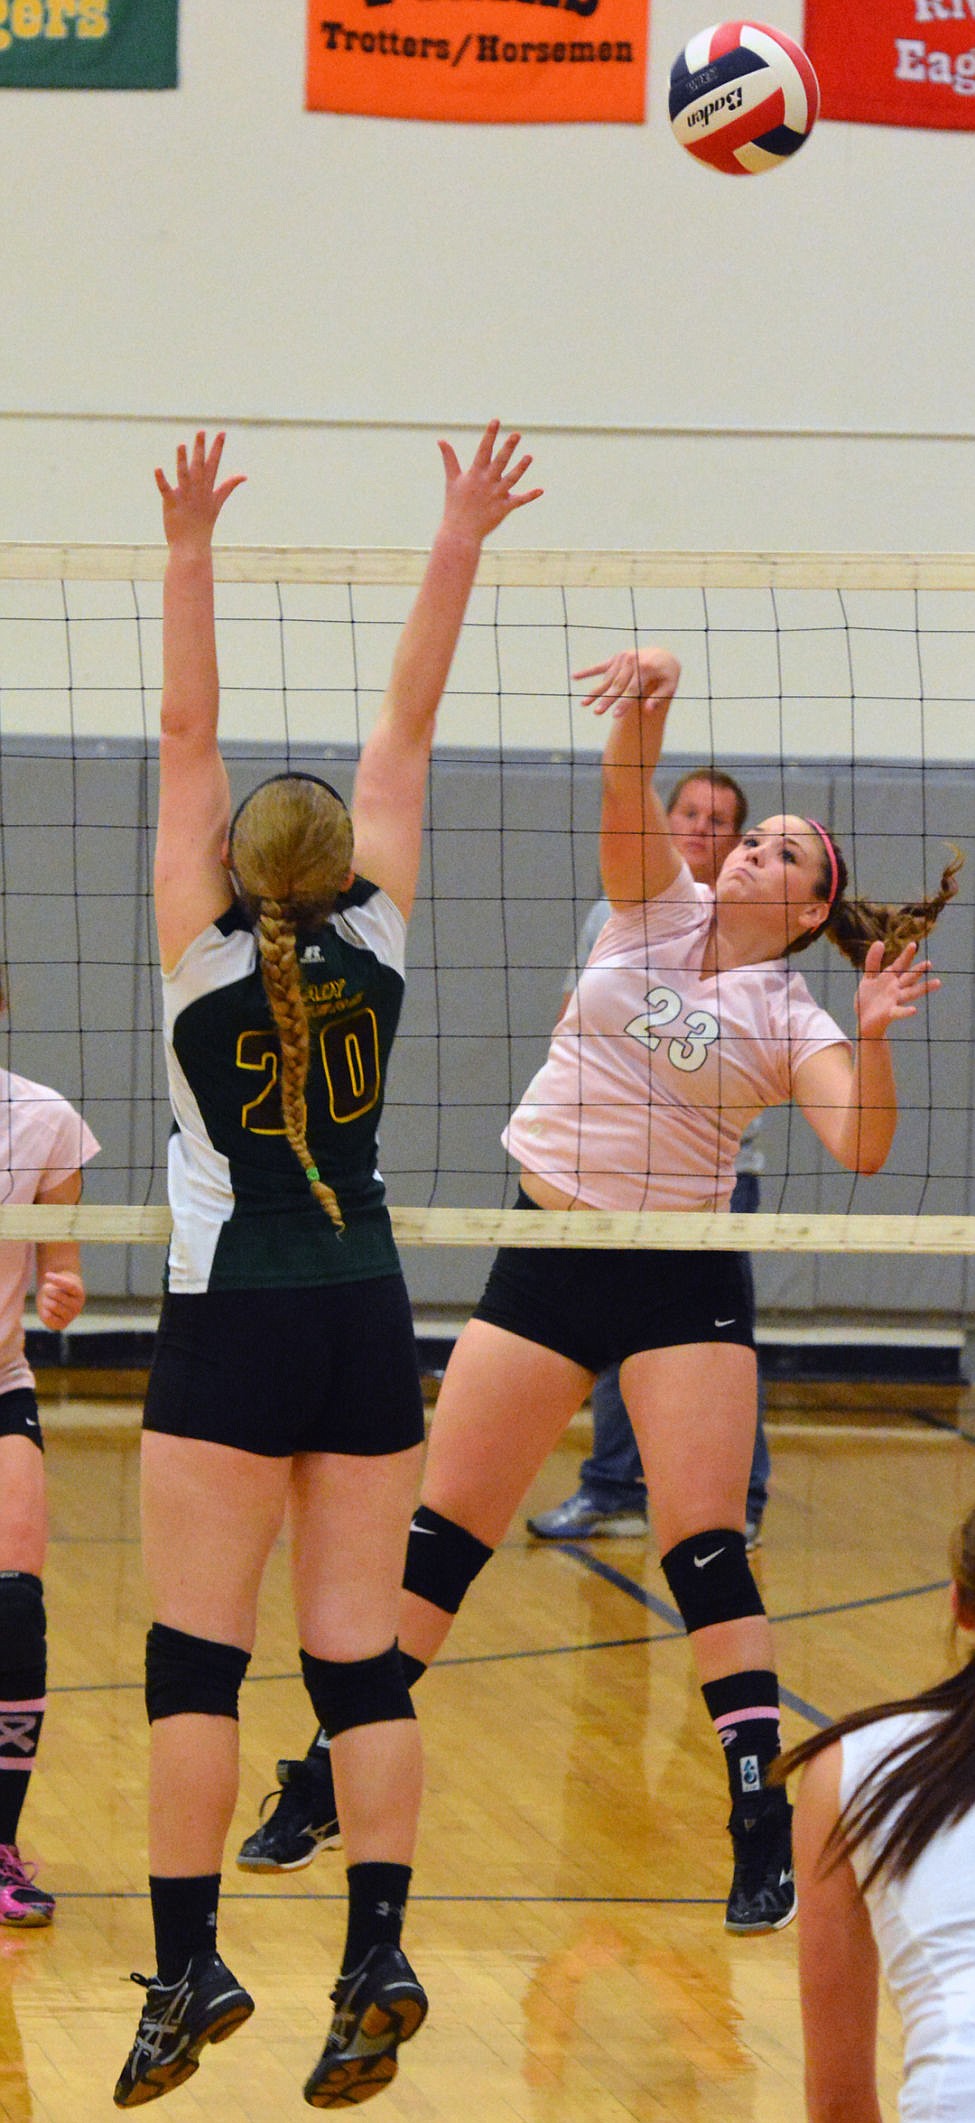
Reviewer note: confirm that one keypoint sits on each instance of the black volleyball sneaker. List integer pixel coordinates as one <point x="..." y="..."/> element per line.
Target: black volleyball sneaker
<point x="763" y="1890"/>
<point x="378" y="2006"/>
<point x="178" y="2020"/>
<point x="303" y="1821"/>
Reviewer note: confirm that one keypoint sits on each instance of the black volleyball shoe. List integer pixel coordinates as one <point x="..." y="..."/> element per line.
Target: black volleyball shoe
<point x="378" y="2006"/>
<point x="178" y="2020"/>
<point x="763" y="1890"/>
<point x="303" y="1822"/>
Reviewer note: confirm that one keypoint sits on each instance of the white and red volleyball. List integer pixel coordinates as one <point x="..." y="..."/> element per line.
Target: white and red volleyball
<point x="743" y="97"/>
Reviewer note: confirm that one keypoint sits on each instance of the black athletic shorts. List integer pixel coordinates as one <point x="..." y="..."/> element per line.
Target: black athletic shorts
<point x="597" y="1305"/>
<point x="19" y="1417"/>
<point x="330" y="1368"/>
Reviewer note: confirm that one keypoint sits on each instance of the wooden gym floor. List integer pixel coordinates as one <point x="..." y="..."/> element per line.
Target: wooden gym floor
<point x="573" y="1861"/>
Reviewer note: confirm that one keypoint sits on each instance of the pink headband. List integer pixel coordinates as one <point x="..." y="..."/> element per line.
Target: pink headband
<point x="834" y="872"/>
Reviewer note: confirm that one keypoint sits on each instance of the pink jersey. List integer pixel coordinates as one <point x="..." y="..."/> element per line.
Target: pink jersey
<point x="42" y="1141"/>
<point x="653" y="1073"/>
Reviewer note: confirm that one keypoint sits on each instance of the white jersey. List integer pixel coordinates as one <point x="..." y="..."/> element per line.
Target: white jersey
<point x="924" y="1926"/>
<point x="654" y="1072"/>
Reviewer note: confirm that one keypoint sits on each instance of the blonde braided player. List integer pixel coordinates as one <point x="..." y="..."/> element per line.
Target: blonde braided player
<point x="285" y="1368"/>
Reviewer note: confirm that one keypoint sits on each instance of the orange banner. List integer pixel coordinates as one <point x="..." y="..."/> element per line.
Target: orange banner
<point x="894" y="62"/>
<point x="482" y="62"/>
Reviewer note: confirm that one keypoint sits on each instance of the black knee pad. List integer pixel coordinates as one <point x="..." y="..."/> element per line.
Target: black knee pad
<point x="442" y="1559"/>
<point x="347" y="1692"/>
<point x="710" y="1578"/>
<point x="23" y="1632"/>
<point x="189" y="1673"/>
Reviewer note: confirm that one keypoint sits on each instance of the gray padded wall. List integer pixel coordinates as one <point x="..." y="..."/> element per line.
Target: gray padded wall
<point x="510" y="870"/>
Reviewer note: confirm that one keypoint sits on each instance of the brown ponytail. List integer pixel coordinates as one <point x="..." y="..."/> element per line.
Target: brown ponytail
<point x="929" y="1777"/>
<point x="854" y="924"/>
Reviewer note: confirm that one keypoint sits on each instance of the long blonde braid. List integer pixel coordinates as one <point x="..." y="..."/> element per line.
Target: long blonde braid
<point x="279" y="967"/>
<point x="291" y="852"/>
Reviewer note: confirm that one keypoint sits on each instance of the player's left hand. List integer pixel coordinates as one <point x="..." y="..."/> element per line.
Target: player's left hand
<point x="886" y="993"/>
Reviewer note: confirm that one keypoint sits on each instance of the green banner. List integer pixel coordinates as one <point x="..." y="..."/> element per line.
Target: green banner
<point x="89" y="43"/>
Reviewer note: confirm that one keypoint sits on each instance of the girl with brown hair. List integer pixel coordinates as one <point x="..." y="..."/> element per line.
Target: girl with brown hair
<point x="885" y="1868"/>
<point x="285" y="1368"/>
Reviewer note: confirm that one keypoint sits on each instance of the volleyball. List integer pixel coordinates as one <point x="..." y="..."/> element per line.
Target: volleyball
<point x="743" y="97"/>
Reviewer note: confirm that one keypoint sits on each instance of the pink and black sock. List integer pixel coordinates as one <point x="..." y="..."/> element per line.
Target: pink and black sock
<point x="744" y="1709"/>
<point x="23" y="1686"/>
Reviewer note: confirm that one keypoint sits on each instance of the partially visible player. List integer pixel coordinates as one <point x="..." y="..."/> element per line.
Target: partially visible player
<point x="43" y="1145"/>
<point x="885" y="1869"/>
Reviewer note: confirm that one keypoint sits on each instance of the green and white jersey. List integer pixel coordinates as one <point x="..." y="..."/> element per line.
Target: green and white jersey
<point x="243" y="1213"/>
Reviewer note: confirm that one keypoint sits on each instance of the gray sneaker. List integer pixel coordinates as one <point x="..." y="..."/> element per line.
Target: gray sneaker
<point x="581" y="1519"/>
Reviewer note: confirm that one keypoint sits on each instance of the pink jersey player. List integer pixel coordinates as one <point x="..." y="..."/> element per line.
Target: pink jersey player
<point x="43" y="1145"/>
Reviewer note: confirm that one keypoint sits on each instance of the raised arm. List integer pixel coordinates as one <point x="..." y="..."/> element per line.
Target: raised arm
<point x="390" y="783"/>
<point x="852" y="1104"/>
<point x="637" y="858"/>
<point x="191" y="883"/>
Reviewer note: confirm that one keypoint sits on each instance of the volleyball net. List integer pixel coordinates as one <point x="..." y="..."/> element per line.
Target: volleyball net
<point x="838" y="686"/>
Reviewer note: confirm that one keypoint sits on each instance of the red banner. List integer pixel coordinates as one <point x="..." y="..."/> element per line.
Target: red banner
<point x="894" y="62"/>
<point x="480" y="61"/>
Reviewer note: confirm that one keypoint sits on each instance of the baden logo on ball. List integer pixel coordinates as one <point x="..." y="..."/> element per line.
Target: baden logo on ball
<point x="743" y="97"/>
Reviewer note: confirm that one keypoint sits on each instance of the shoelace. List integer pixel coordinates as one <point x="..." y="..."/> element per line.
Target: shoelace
<point x="13" y="1869"/>
<point x="293" y="1809"/>
<point x="154" y="2026"/>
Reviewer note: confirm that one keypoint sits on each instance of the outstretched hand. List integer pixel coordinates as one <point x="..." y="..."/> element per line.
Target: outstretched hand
<point x="191" y="507"/>
<point x="648" y="675"/>
<point x="886" y="993"/>
<point x="480" y="498"/>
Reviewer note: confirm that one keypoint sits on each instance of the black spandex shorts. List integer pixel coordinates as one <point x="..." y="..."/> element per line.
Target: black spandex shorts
<point x="331" y="1368"/>
<point x="19" y="1417"/>
<point x="597" y="1305"/>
